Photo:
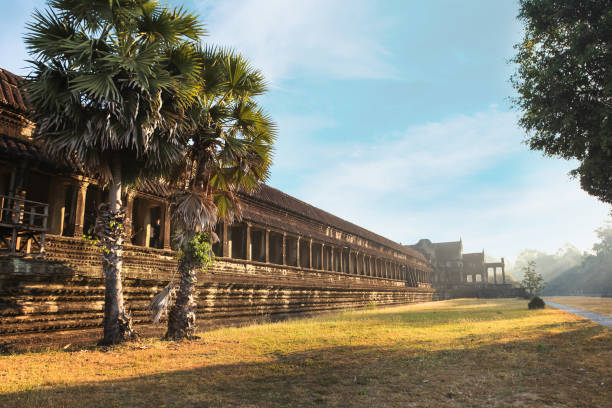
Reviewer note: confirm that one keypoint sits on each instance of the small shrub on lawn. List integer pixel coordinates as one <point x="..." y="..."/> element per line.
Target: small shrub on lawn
<point x="536" y="303"/>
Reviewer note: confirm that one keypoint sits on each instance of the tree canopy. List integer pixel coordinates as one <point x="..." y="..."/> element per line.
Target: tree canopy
<point x="112" y="79"/>
<point x="564" y="84"/>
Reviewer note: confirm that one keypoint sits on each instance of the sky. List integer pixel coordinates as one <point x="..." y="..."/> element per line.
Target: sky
<point x="396" y="116"/>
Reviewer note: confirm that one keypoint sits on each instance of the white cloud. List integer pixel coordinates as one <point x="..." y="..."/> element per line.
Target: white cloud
<point x="467" y="176"/>
<point x="424" y="159"/>
<point x="285" y="38"/>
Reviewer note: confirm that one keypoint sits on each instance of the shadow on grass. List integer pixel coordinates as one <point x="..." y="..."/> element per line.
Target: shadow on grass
<point x="487" y="375"/>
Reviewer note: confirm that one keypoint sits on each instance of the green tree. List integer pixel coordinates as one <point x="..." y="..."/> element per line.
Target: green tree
<point x="604" y="246"/>
<point x="532" y="281"/>
<point x="110" y="84"/>
<point x="564" y="84"/>
<point x="227" y="151"/>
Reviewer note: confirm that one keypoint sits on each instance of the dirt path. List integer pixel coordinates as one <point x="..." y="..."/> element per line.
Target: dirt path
<point x="596" y="317"/>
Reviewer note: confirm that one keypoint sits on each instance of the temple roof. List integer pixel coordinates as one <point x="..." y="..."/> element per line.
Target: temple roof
<point x="10" y="94"/>
<point x="18" y="148"/>
<point x="282" y="200"/>
<point x="475" y="257"/>
<point x="448" y="251"/>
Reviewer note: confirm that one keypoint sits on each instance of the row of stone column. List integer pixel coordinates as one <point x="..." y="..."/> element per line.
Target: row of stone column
<point x="495" y="269"/>
<point x="484" y="277"/>
<point x="58" y="208"/>
<point x="319" y="255"/>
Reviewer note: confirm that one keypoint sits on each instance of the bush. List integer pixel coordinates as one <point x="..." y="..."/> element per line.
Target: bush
<point x="536" y="303"/>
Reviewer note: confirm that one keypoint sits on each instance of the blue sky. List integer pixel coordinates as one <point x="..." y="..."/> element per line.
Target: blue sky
<point x="395" y="115"/>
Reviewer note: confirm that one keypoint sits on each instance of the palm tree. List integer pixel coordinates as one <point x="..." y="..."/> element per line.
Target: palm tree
<point x="111" y="82"/>
<point x="228" y="151"/>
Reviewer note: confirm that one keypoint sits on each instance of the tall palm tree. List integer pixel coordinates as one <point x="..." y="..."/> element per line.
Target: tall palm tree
<point x="228" y="151"/>
<point x="111" y="82"/>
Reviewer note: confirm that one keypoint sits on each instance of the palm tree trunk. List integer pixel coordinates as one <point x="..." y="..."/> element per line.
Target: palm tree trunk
<point x="109" y="227"/>
<point x="182" y="316"/>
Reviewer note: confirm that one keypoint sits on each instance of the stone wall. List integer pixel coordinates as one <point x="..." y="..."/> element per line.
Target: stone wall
<point x="66" y="290"/>
<point x="483" y="291"/>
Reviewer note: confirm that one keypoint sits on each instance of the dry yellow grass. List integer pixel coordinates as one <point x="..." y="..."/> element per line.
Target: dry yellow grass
<point x="599" y="305"/>
<point x="461" y="353"/>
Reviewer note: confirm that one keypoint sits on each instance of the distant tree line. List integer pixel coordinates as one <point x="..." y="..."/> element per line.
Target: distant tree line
<point x="569" y="272"/>
<point x="594" y="274"/>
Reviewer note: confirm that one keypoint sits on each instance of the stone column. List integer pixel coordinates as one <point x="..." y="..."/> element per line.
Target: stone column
<point x="284" y="248"/>
<point x="503" y="274"/>
<point x="79" y="212"/>
<point x="249" y="247"/>
<point x="165" y="232"/>
<point x="322" y="256"/>
<point x="226" y="244"/>
<point x="297" y="255"/>
<point x="342" y="266"/>
<point x="129" y="214"/>
<point x="350" y="261"/>
<point x="267" y="244"/>
<point x="57" y="207"/>
<point x="310" y="255"/>
<point x="331" y="259"/>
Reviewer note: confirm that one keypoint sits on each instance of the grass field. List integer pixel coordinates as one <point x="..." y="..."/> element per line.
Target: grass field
<point x="460" y="353"/>
<point x="592" y="304"/>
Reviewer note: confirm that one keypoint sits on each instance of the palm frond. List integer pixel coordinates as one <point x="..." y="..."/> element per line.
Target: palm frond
<point x="160" y="302"/>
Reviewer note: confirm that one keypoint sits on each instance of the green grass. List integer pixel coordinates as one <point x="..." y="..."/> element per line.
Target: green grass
<point x="453" y="353"/>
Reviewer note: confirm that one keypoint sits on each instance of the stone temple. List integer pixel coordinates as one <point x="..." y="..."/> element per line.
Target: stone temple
<point x="284" y="257"/>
